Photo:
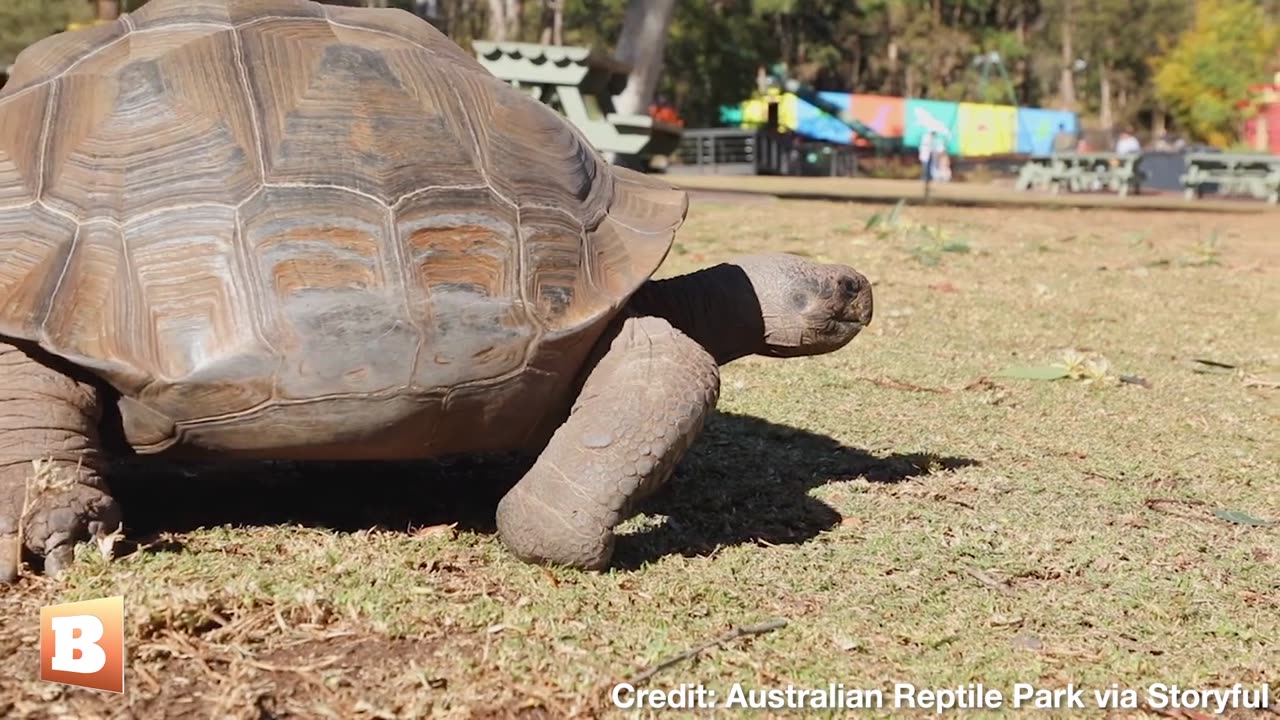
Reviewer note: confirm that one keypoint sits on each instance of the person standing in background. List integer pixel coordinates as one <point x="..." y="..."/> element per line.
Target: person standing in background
<point x="942" y="163"/>
<point x="1063" y="141"/>
<point x="927" y="145"/>
<point x="1128" y="143"/>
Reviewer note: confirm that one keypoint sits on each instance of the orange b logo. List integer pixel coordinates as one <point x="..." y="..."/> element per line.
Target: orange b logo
<point x="82" y="644"/>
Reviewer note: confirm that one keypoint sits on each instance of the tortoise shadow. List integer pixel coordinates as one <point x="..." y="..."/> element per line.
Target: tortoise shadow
<point x="745" y="481"/>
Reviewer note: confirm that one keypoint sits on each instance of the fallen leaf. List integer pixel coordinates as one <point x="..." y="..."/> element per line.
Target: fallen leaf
<point x="450" y="530"/>
<point x="1212" y="367"/>
<point x="1034" y="372"/>
<point x="1240" y="518"/>
<point x="846" y="644"/>
<point x="1026" y="641"/>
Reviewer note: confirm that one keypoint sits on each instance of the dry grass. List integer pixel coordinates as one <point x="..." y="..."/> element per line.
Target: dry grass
<point x="910" y="514"/>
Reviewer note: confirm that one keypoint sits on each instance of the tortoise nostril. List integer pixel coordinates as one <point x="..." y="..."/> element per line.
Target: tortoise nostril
<point x="848" y="288"/>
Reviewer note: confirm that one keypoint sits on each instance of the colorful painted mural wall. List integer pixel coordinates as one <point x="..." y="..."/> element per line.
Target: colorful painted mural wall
<point x="971" y="129"/>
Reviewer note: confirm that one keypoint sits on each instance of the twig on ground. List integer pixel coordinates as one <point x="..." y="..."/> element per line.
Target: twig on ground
<point x="901" y="385"/>
<point x="693" y="652"/>
<point x="141" y="670"/>
<point x="301" y="669"/>
<point x="1175" y="713"/>
<point x="179" y="646"/>
<point x="1158" y="504"/>
<point x="985" y="579"/>
<point x="982" y="383"/>
<point x="1261" y="382"/>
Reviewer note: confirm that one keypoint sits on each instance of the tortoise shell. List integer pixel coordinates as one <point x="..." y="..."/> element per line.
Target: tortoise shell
<point x="282" y="226"/>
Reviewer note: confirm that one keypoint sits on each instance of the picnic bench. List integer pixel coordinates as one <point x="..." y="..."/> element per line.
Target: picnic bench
<point x="1082" y="172"/>
<point x="1256" y="175"/>
<point x="581" y="84"/>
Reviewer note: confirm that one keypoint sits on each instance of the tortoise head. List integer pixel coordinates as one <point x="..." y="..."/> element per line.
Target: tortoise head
<point x="776" y="305"/>
<point x="807" y="308"/>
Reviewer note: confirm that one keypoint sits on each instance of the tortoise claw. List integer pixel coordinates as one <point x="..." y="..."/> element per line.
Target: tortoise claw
<point x="58" y="559"/>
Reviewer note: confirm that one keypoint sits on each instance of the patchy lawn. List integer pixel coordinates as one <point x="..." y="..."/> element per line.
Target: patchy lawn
<point x="912" y="515"/>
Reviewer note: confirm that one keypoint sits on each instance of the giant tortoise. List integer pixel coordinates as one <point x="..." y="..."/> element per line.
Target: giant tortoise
<point x="276" y="229"/>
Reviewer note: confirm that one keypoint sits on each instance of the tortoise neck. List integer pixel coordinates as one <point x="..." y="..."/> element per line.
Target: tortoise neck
<point x="716" y="307"/>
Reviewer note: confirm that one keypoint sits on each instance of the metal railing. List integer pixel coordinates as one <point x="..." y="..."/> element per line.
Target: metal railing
<point x="717" y="151"/>
<point x="733" y="151"/>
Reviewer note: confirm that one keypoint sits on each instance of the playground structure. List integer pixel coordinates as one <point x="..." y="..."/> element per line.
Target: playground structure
<point x="762" y="151"/>
<point x="971" y="129"/>
<point x="581" y="84"/>
<point x="879" y="126"/>
<point x="1262" y="124"/>
<point x="767" y="144"/>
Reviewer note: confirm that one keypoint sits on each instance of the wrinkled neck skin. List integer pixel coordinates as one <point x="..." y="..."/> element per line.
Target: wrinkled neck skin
<point x="715" y="307"/>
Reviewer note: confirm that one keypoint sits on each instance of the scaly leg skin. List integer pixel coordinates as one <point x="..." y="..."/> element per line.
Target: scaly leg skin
<point x="639" y="410"/>
<point x="51" y="493"/>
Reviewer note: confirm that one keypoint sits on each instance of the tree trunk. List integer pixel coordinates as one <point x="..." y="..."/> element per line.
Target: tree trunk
<point x="107" y="9"/>
<point x="784" y="39"/>
<point x="1105" y="115"/>
<point x="855" y="66"/>
<point x="514" y="16"/>
<point x="1022" y="68"/>
<point x="552" y="22"/>
<point x="497" y="21"/>
<point x="1067" y="86"/>
<point x="893" y="65"/>
<point x="642" y="45"/>
<point x="505" y="20"/>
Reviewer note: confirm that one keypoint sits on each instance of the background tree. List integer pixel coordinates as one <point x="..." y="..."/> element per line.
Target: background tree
<point x="1231" y="45"/>
<point x="23" y="22"/>
<point x="1117" y="63"/>
<point x="506" y="20"/>
<point x="552" y="22"/>
<point x="642" y="45"/>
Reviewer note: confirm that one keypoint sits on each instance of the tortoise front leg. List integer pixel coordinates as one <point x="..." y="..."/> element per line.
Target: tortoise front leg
<point x="640" y="409"/>
<point x="51" y="493"/>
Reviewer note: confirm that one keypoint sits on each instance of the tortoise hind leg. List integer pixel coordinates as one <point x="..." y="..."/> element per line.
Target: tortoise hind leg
<point x="642" y="405"/>
<point x="48" y="419"/>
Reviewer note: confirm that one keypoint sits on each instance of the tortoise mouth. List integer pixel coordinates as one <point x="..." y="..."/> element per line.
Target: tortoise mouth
<point x="855" y="315"/>
<point x="850" y="328"/>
